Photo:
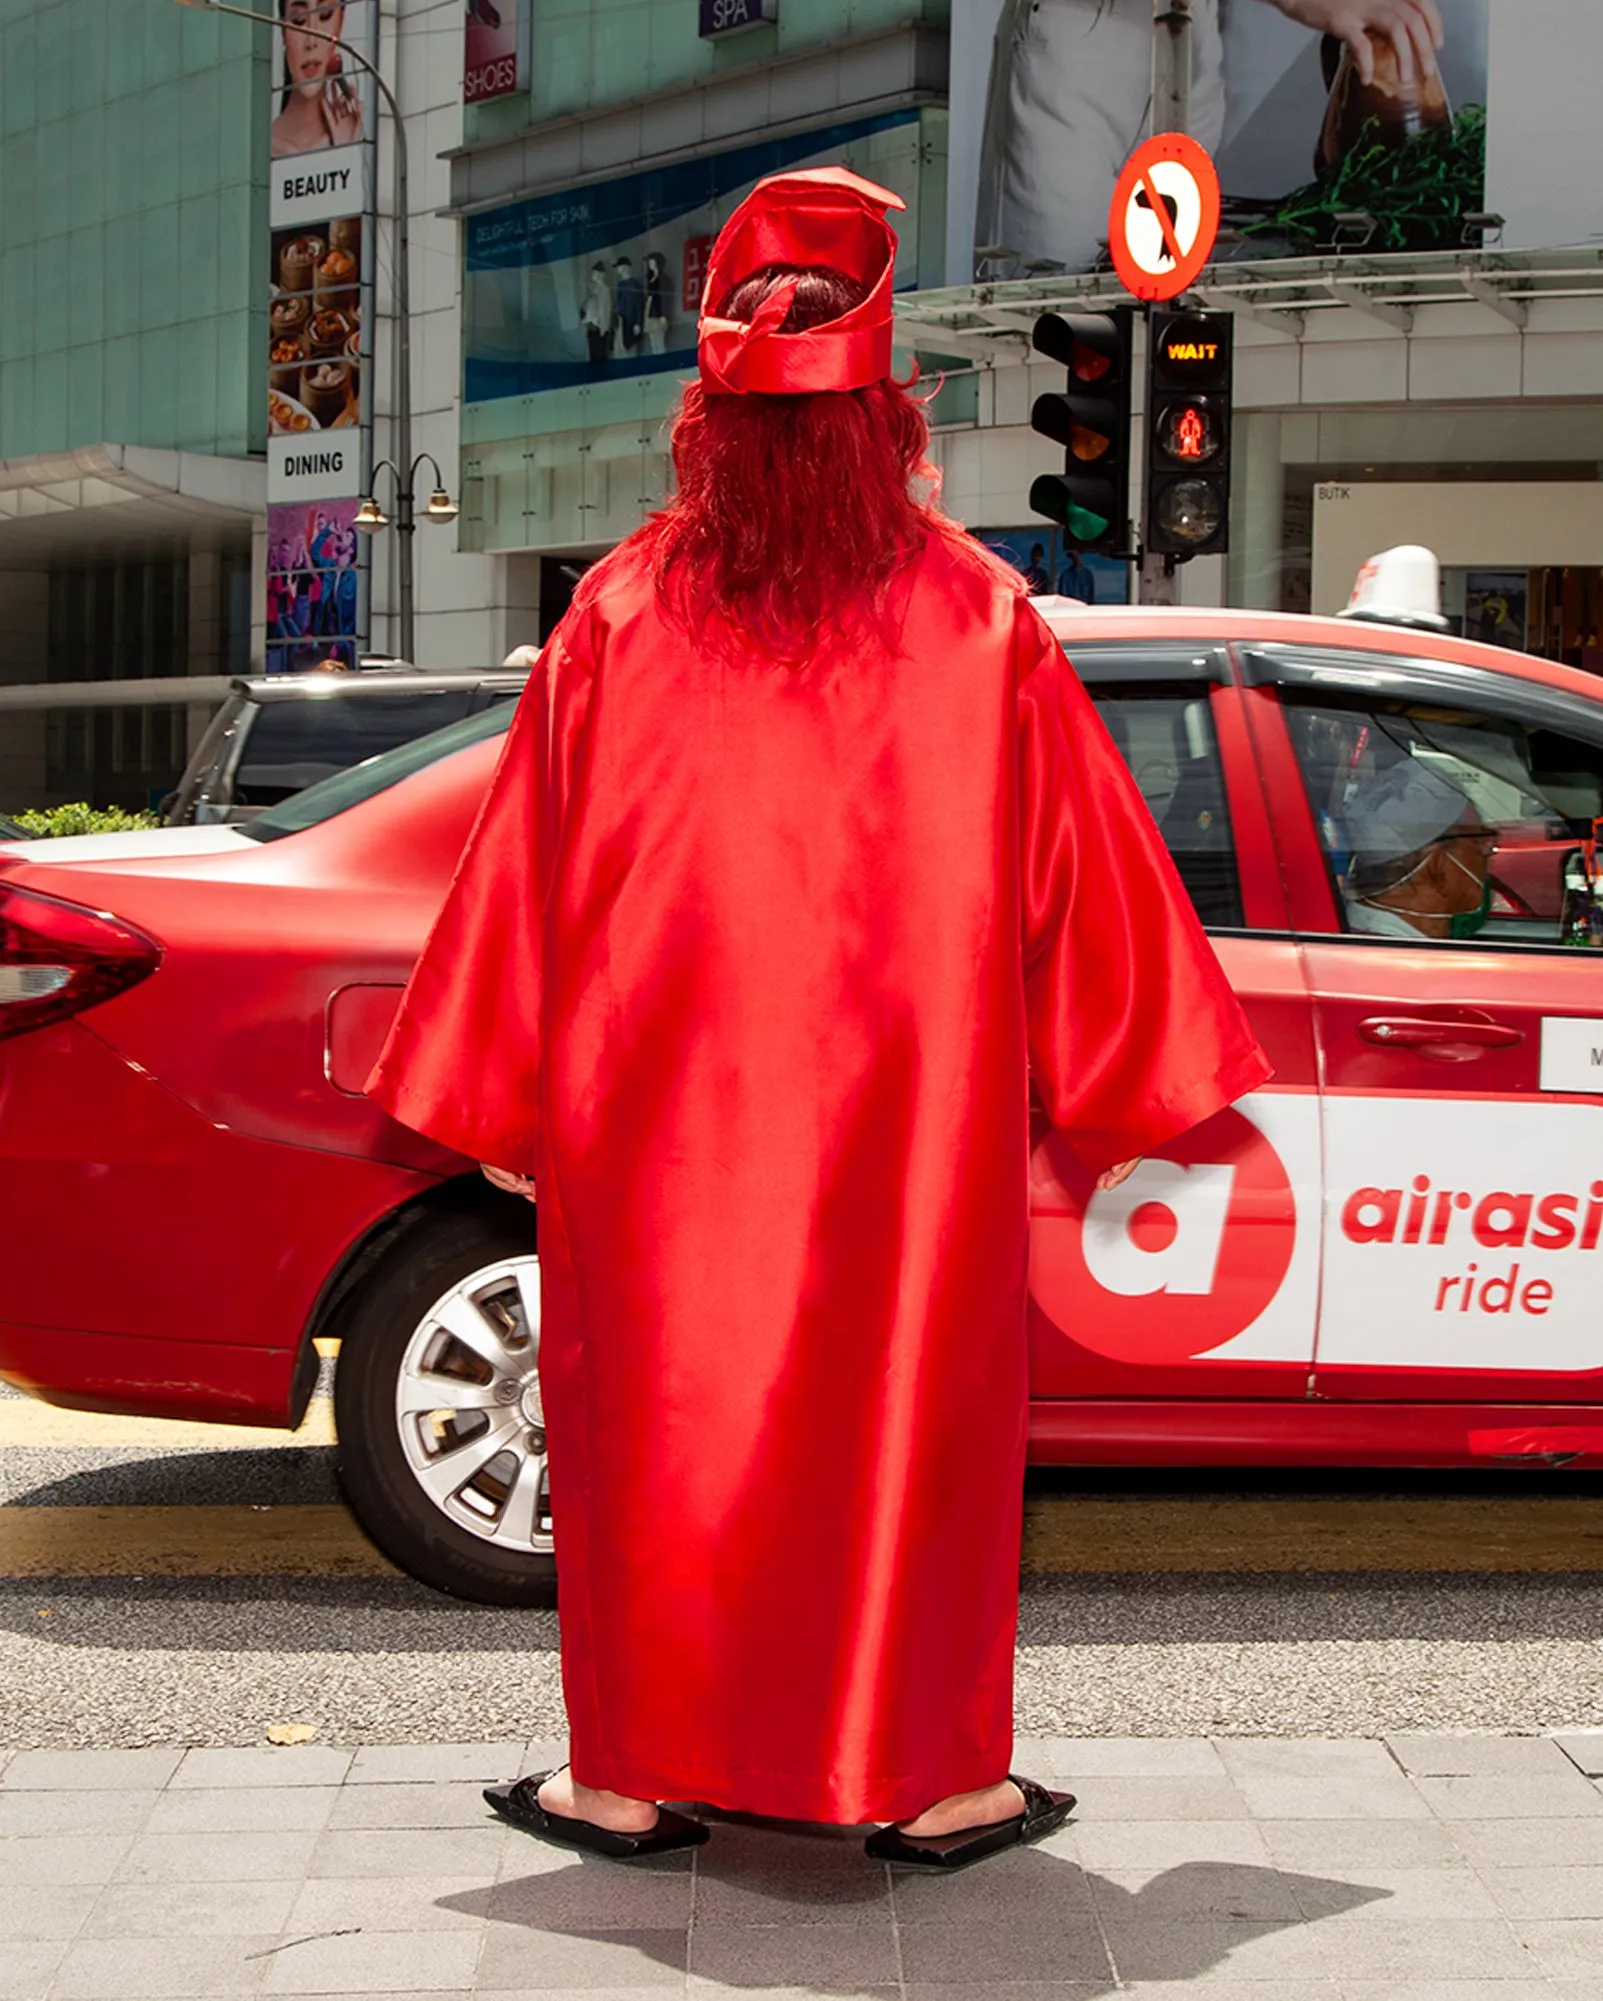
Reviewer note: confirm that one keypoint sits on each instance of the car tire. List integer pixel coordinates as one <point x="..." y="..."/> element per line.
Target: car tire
<point x="435" y="1379"/>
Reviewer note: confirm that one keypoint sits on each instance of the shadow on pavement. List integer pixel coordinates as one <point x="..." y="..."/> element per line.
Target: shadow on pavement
<point x="777" y="1906"/>
<point x="245" y="1476"/>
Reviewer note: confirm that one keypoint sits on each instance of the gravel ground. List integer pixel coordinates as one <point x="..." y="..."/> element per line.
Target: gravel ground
<point x="176" y="1661"/>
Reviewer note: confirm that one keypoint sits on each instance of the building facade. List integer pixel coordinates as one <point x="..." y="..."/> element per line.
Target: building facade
<point x="1426" y="368"/>
<point x="587" y="206"/>
<point x="1416" y="282"/>
<point x="1425" y="363"/>
<point x="130" y="478"/>
<point x="138" y="272"/>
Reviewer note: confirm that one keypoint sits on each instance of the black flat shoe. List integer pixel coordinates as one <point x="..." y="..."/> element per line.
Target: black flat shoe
<point x="1043" y="1812"/>
<point x="519" y="1803"/>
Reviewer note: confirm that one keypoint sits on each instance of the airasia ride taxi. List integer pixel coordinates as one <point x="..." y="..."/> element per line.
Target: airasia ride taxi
<point x="1389" y="1256"/>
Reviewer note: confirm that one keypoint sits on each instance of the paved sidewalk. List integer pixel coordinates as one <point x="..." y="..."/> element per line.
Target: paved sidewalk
<point x="1420" y="1869"/>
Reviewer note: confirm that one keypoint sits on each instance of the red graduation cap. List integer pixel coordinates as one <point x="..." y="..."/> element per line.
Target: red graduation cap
<point x="819" y="216"/>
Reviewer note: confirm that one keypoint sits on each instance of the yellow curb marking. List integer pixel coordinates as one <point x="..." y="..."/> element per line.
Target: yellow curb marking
<point x="25" y="1421"/>
<point x="1062" y="1537"/>
<point x="186" y="1542"/>
<point x="1192" y="1534"/>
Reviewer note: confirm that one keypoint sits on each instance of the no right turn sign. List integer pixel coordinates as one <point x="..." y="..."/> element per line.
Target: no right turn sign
<point x="1164" y="217"/>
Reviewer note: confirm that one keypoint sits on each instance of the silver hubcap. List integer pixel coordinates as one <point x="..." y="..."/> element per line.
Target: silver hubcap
<point x="468" y="1407"/>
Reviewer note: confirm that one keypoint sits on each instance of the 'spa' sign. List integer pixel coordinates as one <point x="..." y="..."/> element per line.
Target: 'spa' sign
<point x="728" y="17"/>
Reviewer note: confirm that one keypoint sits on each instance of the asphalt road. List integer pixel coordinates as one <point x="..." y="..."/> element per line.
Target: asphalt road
<point x="197" y="1584"/>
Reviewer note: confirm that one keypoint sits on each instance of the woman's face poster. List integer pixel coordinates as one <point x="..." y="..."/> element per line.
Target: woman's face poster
<point x="319" y="96"/>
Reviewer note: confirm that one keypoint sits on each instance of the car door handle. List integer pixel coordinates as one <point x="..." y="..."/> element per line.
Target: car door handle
<point x="1405" y="1032"/>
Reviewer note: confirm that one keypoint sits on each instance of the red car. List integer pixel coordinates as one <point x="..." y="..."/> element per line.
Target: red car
<point x="1391" y="1256"/>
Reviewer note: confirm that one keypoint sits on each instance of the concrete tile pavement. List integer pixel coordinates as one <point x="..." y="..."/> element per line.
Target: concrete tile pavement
<point x="1416" y="1869"/>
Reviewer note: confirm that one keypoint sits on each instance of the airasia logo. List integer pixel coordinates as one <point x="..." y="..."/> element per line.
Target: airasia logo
<point x="1457" y="1223"/>
<point x="1503" y="1220"/>
<point x="1181" y="1258"/>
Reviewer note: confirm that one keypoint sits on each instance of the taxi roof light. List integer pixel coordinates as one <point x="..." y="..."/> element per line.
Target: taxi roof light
<point x="1401" y="586"/>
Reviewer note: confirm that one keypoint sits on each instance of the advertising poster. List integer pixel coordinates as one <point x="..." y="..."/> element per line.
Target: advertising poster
<point x="315" y="322"/>
<point x="322" y="99"/>
<point x="323" y="108"/>
<point x="314" y="586"/>
<point x="1309" y="113"/>
<point x="489" y="50"/>
<point x="602" y="281"/>
<point x="319" y="277"/>
<point x="1495" y="606"/>
<point x="1051" y="570"/>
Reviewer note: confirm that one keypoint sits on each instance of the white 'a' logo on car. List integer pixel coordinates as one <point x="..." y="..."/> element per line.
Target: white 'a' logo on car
<point x="1160" y="1231"/>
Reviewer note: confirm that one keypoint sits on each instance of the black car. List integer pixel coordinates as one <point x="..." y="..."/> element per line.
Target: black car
<point x="277" y="734"/>
<point x="10" y="831"/>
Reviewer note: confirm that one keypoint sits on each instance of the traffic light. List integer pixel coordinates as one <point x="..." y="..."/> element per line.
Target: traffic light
<point x="1188" y="433"/>
<point x="1090" y="498"/>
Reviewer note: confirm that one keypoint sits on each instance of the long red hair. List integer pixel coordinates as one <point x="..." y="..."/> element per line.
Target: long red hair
<point x="793" y="513"/>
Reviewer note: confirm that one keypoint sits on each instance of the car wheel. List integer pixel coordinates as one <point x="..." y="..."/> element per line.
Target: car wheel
<point x="437" y="1407"/>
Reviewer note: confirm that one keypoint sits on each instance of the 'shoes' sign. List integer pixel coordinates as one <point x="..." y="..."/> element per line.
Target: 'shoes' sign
<point x="489" y="50"/>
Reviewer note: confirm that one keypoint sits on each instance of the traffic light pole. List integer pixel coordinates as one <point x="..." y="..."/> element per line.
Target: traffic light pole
<point x="1152" y="578"/>
<point x="1171" y="66"/>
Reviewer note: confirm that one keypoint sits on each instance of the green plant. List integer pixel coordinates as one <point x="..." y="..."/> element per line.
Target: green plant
<point x="81" y="818"/>
<point x="1418" y="192"/>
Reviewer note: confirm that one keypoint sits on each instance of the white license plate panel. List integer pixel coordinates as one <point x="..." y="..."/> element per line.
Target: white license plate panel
<point x="1572" y="1053"/>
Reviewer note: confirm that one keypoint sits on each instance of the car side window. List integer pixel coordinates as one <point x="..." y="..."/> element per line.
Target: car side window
<point x="1440" y="823"/>
<point x="294" y="744"/>
<point x="1166" y="736"/>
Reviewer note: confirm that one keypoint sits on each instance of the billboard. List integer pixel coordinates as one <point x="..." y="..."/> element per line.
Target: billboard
<point x="319" y="286"/>
<point x="489" y="49"/>
<point x="604" y="281"/>
<point x="1310" y="129"/>
<point x="323" y="104"/>
<point x="314" y="585"/>
<point x="316" y="328"/>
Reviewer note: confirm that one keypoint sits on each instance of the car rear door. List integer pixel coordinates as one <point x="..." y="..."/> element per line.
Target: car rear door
<point x="1198" y="1277"/>
<point x="1463" y="1079"/>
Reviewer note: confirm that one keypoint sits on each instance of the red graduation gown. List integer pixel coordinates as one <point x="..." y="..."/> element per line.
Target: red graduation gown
<point x="743" y="964"/>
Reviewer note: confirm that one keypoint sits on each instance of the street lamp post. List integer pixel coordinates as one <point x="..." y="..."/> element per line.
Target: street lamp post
<point x="404" y="497"/>
<point x="440" y="507"/>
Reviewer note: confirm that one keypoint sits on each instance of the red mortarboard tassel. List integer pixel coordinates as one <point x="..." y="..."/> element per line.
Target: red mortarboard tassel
<point x="821" y="216"/>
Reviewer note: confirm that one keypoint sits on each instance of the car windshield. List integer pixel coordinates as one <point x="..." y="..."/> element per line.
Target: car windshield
<point x="365" y="781"/>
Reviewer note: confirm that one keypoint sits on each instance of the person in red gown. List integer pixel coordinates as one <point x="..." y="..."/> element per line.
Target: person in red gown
<point x="806" y="852"/>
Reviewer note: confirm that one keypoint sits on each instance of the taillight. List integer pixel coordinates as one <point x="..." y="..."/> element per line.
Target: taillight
<point x="57" y="958"/>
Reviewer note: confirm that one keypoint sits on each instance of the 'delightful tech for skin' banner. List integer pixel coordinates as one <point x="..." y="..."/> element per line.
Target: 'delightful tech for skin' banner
<point x="581" y="285"/>
<point x="319" y="363"/>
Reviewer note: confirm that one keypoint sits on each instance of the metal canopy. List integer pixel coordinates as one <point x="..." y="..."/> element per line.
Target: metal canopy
<point x="98" y="500"/>
<point x="988" y="324"/>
